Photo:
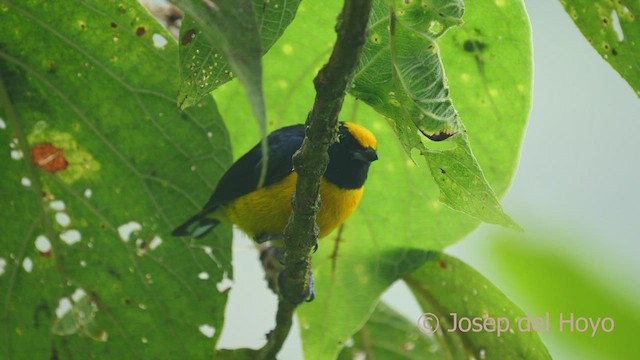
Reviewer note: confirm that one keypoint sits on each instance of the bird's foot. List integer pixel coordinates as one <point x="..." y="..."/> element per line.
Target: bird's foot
<point x="309" y="292"/>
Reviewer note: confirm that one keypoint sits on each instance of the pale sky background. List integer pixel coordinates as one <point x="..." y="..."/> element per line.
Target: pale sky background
<point x="576" y="176"/>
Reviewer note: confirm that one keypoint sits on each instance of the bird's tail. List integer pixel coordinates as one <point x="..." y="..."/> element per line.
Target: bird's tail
<point x="197" y="226"/>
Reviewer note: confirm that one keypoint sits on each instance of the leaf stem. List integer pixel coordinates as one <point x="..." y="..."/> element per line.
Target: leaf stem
<point x="310" y="163"/>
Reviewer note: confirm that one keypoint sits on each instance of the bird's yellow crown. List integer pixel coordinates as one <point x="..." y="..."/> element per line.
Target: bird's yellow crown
<point x="362" y="134"/>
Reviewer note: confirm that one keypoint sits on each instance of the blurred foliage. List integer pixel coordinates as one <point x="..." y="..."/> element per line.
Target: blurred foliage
<point x="554" y="282"/>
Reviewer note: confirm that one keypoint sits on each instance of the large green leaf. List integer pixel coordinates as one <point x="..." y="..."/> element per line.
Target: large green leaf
<point x="89" y="268"/>
<point x="204" y="67"/>
<point x="443" y="286"/>
<point x="484" y="318"/>
<point x="469" y="317"/>
<point x="400" y="216"/>
<point x="402" y="77"/>
<point x="613" y="29"/>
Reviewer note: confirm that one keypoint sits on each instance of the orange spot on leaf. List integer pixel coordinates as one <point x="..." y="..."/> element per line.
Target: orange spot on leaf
<point x="48" y="157"/>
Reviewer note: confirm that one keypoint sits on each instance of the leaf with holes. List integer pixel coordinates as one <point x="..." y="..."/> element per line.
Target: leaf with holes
<point x="400" y="217"/>
<point x="469" y="317"/>
<point x="402" y="76"/>
<point x="96" y="181"/>
<point x="203" y="65"/>
<point x="613" y="29"/>
<point x="232" y="25"/>
<point x="388" y="335"/>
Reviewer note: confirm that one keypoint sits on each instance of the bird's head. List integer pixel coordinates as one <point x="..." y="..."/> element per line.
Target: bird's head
<point x="359" y="141"/>
<point x="350" y="157"/>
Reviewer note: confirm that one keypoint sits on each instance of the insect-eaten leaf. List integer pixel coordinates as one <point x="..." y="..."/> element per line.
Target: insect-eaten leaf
<point x="613" y="29"/>
<point x="401" y="76"/>
<point x="204" y="64"/>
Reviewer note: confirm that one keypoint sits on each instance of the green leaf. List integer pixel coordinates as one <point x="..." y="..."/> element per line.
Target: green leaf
<point x="613" y="29"/>
<point x="402" y="77"/>
<point x="89" y="266"/>
<point x="469" y="317"/>
<point x="203" y="65"/>
<point x="400" y="216"/>
<point x="233" y="27"/>
<point x="462" y="183"/>
<point x="388" y="335"/>
<point x="400" y="73"/>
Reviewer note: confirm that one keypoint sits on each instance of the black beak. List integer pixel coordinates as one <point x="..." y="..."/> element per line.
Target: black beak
<point x="366" y="155"/>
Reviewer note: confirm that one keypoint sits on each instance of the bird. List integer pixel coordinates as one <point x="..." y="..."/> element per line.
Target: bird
<point x="263" y="212"/>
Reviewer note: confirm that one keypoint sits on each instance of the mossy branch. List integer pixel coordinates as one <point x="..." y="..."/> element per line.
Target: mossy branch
<point x="310" y="163"/>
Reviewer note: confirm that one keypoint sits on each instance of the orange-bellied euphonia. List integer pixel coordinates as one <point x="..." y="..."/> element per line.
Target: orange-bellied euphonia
<point x="263" y="212"/>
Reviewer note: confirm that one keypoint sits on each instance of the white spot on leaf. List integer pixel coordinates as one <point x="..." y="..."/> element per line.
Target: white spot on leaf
<point x="70" y="236"/>
<point x="63" y="219"/>
<point x="78" y="295"/>
<point x="360" y="355"/>
<point x="3" y="264"/>
<point x="3" y="125"/>
<point x="155" y="242"/>
<point x="159" y="41"/>
<point x="207" y="330"/>
<point x="203" y="275"/>
<point x="64" y="306"/>
<point x="616" y="25"/>
<point x="16" y="154"/>
<point x="349" y="343"/>
<point x="25" y="181"/>
<point x="127" y="229"/>
<point x="43" y="244"/>
<point x="57" y="205"/>
<point x="225" y="283"/>
<point x="27" y="264"/>
<point x="88" y="193"/>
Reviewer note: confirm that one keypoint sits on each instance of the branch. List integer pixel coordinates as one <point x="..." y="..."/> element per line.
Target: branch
<point x="310" y="163"/>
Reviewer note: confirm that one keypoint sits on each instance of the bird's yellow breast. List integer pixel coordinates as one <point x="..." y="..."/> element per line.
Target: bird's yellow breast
<point x="266" y="210"/>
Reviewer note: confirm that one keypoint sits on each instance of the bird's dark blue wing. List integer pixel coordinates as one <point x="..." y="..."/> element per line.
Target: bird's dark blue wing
<point x="243" y="176"/>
